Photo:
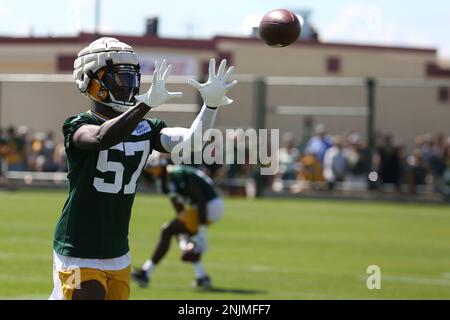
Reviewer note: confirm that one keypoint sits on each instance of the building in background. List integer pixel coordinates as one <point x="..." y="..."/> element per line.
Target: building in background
<point x="36" y="88"/>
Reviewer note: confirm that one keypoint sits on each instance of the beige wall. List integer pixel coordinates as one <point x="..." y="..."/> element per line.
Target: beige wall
<point x="305" y="60"/>
<point x="405" y="112"/>
<point x="408" y="111"/>
<point x="402" y="111"/>
<point x="43" y="105"/>
<point x="314" y="96"/>
<point x="42" y="58"/>
<point x="32" y="58"/>
<point x="250" y="57"/>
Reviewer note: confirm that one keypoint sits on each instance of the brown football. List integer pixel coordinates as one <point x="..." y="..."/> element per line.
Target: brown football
<point x="189" y="253"/>
<point x="279" y="28"/>
<point x="190" y="256"/>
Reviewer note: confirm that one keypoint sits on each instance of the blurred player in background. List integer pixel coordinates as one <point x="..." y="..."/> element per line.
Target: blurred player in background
<point x="196" y="204"/>
<point x="107" y="148"/>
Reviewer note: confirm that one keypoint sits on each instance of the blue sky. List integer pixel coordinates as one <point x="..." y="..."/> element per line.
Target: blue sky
<point x="393" y="22"/>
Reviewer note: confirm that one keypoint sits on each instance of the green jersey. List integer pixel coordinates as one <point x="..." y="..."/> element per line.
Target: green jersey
<point x="102" y="184"/>
<point x="183" y="177"/>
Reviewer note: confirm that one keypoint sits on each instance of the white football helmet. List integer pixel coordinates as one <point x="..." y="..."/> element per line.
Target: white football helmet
<point x="108" y="71"/>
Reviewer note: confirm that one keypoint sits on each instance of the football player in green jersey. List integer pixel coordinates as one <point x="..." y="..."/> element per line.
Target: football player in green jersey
<point x="196" y="204"/>
<point x="107" y="148"/>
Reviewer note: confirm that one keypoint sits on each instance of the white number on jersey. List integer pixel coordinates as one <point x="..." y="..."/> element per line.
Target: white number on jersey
<point x="103" y="165"/>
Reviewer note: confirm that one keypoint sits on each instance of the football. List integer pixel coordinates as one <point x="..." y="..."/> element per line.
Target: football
<point x="190" y="254"/>
<point x="279" y="28"/>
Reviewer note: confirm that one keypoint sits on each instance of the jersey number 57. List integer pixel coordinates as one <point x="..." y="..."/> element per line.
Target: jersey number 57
<point x="103" y="165"/>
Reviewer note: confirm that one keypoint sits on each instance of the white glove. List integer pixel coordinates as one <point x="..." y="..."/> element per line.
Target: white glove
<point x="200" y="239"/>
<point x="215" y="89"/>
<point x="158" y="94"/>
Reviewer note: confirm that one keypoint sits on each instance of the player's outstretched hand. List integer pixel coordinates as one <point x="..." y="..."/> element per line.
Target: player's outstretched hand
<point x="158" y="94"/>
<point x="214" y="90"/>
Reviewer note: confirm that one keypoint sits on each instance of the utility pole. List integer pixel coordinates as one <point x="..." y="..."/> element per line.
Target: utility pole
<point x="97" y="17"/>
<point x="259" y="116"/>
<point x="370" y="87"/>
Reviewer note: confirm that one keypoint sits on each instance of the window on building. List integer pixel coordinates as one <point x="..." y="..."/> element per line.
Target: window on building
<point x="219" y="57"/>
<point x="333" y="64"/>
<point x="205" y="67"/>
<point x="65" y="63"/>
<point x="443" y="95"/>
<point x="225" y="55"/>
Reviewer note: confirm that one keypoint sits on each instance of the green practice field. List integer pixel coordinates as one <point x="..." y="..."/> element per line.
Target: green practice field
<point x="262" y="249"/>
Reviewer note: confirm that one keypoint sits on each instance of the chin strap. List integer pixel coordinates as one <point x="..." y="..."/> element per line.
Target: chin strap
<point x="119" y="107"/>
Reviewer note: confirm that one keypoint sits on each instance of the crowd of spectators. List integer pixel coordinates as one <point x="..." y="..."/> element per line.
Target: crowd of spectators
<point x="323" y="162"/>
<point x="326" y="161"/>
<point x="23" y="150"/>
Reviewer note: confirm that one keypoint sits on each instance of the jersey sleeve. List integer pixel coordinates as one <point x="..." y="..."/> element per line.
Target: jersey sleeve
<point x="157" y="125"/>
<point x="70" y="126"/>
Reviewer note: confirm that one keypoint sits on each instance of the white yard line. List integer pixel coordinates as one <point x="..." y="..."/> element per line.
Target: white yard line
<point x="414" y="280"/>
<point x="26" y="297"/>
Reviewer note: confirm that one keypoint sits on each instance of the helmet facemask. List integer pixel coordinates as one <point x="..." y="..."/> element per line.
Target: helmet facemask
<point x="115" y="85"/>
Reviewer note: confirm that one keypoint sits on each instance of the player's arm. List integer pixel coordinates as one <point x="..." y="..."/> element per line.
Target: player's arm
<point x="92" y="137"/>
<point x="213" y="93"/>
<point x="110" y="133"/>
<point x="178" y="206"/>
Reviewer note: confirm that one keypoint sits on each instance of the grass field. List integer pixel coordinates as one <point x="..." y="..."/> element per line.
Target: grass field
<point x="264" y="249"/>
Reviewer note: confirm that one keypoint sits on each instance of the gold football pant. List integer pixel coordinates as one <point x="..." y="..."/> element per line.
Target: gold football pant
<point x="115" y="282"/>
